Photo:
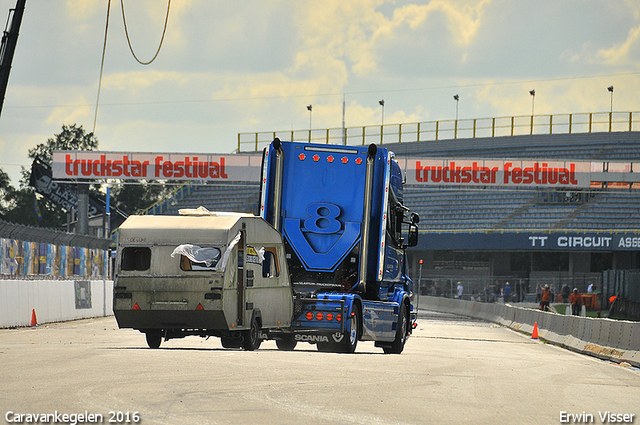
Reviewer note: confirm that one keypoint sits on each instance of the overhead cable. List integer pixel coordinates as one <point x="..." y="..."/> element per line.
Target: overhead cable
<point x="164" y="30"/>
<point x="104" y="49"/>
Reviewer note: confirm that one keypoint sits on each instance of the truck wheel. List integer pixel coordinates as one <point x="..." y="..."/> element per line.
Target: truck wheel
<point x="251" y="338"/>
<point x="228" y="342"/>
<point x="401" y="333"/>
<point x="286" y="344"/>
<point x="153" y="340"/>
<point x="351" y="340"/>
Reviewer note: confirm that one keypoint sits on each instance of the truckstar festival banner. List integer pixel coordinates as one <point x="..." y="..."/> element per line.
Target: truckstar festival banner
<point x="94" y="165"/>
<point x="515" y="173"/>
<point x="155" y="166"/>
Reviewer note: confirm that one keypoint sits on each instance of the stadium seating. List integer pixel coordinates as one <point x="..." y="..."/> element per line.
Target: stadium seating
<point x="471" y="209"/>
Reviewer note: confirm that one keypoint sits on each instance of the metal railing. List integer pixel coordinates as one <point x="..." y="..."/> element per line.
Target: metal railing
<point x="591" y="122"/>
<point x="175" y="196"/>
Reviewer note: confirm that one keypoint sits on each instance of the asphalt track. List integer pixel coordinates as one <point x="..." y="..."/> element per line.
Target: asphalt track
<point x="453" y="371"/>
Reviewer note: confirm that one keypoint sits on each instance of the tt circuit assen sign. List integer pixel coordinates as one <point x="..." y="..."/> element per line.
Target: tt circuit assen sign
<point x="552" y="241"/>
<point x="514" y="173"/>
<point x="155" y="166"/>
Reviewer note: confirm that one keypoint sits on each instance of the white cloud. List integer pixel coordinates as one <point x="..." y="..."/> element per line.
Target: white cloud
<point x="135" y="81"/>
<point x="624" y="53"/>
<point x="229" y="67"/>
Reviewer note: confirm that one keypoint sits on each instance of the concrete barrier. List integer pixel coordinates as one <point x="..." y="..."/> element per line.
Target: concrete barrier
<point x="614" y="340"/>
<point x="53" y="300"/>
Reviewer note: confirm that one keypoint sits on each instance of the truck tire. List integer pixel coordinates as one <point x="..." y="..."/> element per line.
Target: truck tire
<point x="153" y="340"/>
<point x="286" y="344"/>
<point x="228" y="342"/>
<point x="350" y="340"/>
<point x="251" y="338"/>
<point x="402" y="331"/>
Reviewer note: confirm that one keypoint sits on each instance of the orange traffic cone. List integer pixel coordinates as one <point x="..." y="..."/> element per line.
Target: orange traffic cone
<point x="34" y="321"/>
<point x="534" y="335"/>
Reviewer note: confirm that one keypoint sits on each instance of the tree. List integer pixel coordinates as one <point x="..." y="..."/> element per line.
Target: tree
<point x="6" y="194"/>
<point x="135" y="198"/>
<point x="72" y="138"/>
<point x="25" y="207"/>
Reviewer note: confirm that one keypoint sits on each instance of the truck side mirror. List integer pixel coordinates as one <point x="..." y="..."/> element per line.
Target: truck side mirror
<point x="413" y="235"/>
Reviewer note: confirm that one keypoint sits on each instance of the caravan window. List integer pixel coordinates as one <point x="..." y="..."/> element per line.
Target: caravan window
<point x="188" y="265"/>
<point x="136" y="258"/>
<point x="270" y="266"/>
<point x="195" y="258"/>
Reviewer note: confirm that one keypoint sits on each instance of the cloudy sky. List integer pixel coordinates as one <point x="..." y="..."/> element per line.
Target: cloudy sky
<point x="250" y="66"/>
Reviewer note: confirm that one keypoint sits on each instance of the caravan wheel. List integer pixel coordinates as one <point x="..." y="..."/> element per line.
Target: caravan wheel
<point x="153" y="340"/>
<point x="251" y="338"/>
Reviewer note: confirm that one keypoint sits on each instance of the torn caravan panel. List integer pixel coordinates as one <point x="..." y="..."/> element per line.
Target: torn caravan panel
<point x="202" y="274"/>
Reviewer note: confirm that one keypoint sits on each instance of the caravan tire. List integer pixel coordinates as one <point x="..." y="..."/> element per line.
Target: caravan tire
<point x="153" y="340"/>
<point x="251" y="338"/>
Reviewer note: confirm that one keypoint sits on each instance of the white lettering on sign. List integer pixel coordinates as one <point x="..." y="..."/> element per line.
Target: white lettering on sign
<point x="535" y="239"/>
<point x="629" y="242"/>
<point x="584" y="241"/>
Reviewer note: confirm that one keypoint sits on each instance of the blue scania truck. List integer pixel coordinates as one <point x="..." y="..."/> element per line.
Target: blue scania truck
<point x="345" y="228"/>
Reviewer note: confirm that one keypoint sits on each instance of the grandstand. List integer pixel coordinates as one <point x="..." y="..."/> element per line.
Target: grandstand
<point x="488" y="236"/>
<point x="464" y="209"/>
<point x="234" y="197"/>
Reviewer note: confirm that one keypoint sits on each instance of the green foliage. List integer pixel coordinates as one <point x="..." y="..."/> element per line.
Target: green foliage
<point x="7" y="194"/>
<point x="19" y="206"/>
<point x="72" y="138"/>
<point x="23" y="211"/>
<point x="135" y="198"/>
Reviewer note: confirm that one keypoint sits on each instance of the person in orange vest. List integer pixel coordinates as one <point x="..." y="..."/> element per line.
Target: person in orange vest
<point x="546" y="298"/>
<point x="576" y="302"/>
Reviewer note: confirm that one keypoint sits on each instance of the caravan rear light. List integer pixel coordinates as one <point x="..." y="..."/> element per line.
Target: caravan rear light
<point x="309" y="315"/>
<point x="136" y="306"/>
<point x="319" y="316"/>
<point x="329" y="316"/>
<point x="339" y="317"/>
<point x="199" y="307"/>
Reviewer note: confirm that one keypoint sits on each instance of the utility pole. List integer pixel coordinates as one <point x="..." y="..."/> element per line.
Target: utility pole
<point x="9" y="41"/>
<point x="533" y="102"/>
<point x="344" y="129"/>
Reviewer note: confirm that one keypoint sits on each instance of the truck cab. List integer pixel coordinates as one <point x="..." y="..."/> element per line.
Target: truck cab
<point x="345" y="228"/>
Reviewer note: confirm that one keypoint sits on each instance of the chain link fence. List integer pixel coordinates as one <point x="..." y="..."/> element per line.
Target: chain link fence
<point x="33" y="253"/>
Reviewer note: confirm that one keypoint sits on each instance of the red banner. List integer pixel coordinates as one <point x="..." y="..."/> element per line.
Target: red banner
<point x="517" y="173"/>
<point x="94" y="165"/>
